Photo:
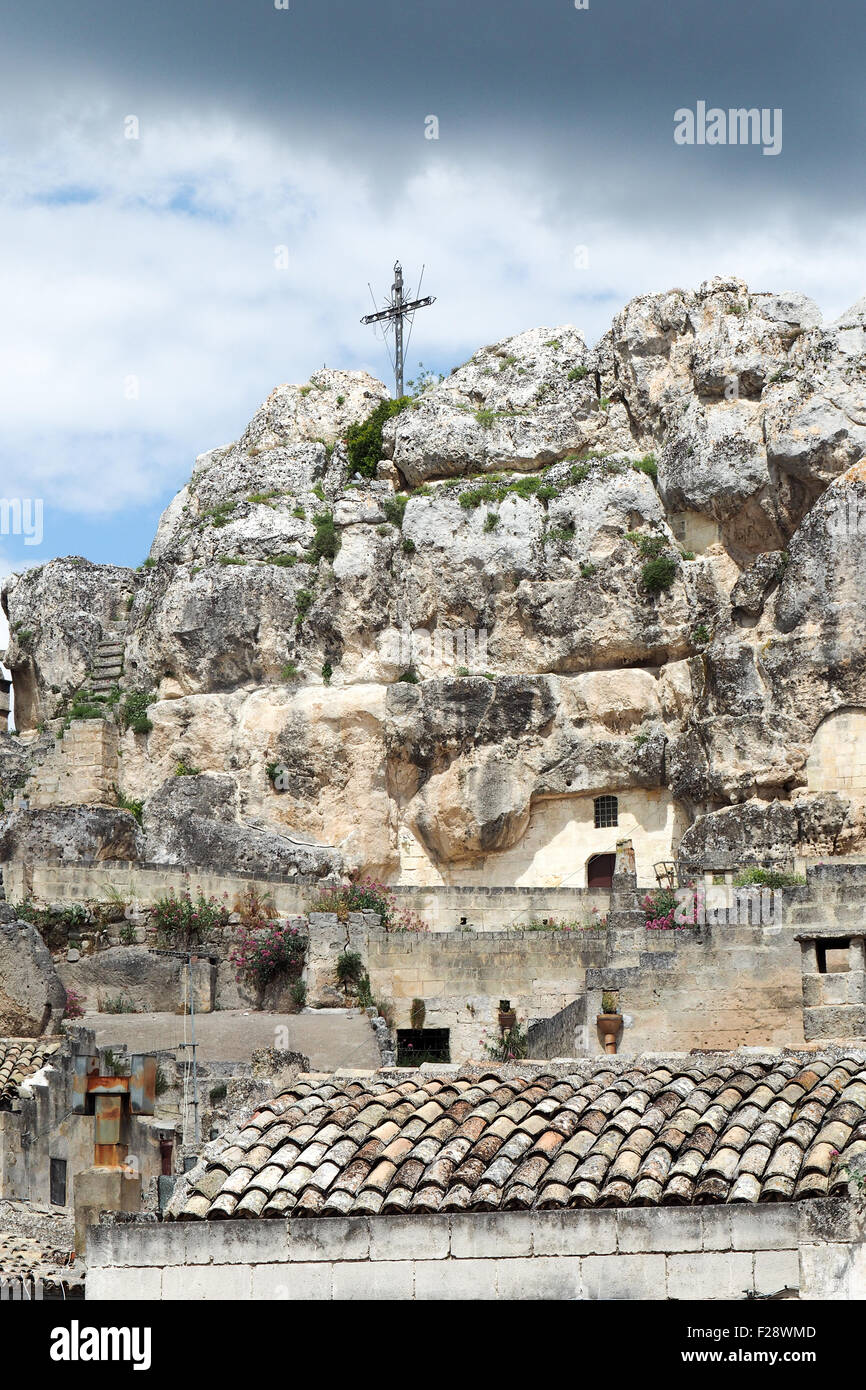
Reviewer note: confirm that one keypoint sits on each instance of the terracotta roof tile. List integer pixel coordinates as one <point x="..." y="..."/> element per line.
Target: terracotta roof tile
<point x="19" y="1059"/>
<point x="708" y="1130"/>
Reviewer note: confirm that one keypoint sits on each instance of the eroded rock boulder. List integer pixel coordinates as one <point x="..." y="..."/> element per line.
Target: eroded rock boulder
<point x="32" y="997"/>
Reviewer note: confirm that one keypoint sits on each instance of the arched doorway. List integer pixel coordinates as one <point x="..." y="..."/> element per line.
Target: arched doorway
<point x="599" y="871"/>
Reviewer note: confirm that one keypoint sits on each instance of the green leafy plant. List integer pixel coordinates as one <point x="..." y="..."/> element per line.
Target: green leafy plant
<point x="303" y="604"/>
<point x="659" y="574"/>
<point x="408" y="545"/>
<point x="701" y="634"/>
<point x="298" y="993"/>
<point x="133" y="712"/>
<point x="126" y="803"/>
<point x="647" y="465"/>
<point x="409" y="677"/>
<point x="610" y="1001"/>
<point x="184" y="921"/>
<point x="128" y="934"/>
<point x="364" y="440"/>
<point x="649" y="546"/>
<point x="511" y="1046"/>
<point x="326" y="541"/>
<point x="349" y="969"/>
<point x="218" y="516"/>
<point x="185" y="769"/>
<point x="578" y="373"/>
<point x="767" y="878"/>
<point x="327" y="672"/>
<point x="367" y="896"/>
<point x="289" y="672"/>
<point x="491" y="521"/>
<point x="117" y="1004"/>
<point x="395" y="509"/>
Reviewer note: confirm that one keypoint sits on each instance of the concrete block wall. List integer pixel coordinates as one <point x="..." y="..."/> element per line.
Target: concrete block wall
<point x="706" y="1253"/>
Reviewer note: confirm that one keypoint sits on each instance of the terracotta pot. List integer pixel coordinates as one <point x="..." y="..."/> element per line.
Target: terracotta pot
<point x="507" y="1019"/>
<point x="610" y="1027"/>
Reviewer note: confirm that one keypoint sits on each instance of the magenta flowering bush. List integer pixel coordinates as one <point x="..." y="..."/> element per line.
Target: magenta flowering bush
<point x="368" y="895"/>
<point x="260" y="954"/>
<point x="665" y="910"/>
<point x="186" y="921"/>
<point x="74" y="1004"/>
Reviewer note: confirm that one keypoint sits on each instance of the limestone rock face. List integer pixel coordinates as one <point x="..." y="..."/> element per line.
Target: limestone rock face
<point x="193" y="821"/>
<point x="519" y="404"/>
<point x="57" y="614"/>
<point x="635" y="568"/>
<point x="32" y="998"/>
<point x="70" y="834"/>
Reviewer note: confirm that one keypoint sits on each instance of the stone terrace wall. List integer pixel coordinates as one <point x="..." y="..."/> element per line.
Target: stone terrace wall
<point x="723" y="988"/>
<point x="443" y="908"/>
<point x="461" y="976"/>
<point x="725" y="1252"/>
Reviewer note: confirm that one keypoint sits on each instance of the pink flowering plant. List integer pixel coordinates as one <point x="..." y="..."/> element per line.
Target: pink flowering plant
<point x="368" y="895"/>
<point x="261" y="954"/>
<point x="185" y="921"/>
<point x="667" y="909"/>
<point x="74" y="1004"/>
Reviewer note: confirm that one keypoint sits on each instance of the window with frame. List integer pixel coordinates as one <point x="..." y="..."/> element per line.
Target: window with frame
<point x="606" y="812"/>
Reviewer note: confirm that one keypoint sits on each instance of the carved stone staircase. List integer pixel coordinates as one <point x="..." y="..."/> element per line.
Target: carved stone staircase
<point x="107" y="669"/>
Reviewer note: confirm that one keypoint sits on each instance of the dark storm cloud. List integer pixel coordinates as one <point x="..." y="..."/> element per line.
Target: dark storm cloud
<point x="587" y="94"/>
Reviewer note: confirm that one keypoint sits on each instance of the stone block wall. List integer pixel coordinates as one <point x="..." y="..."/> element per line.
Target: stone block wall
<point x="707" y="1253"/>
<point x="461" y="977"/>
<point x="721" y="988"/>
<point x="443" y="908"/>
<point x="81" y="770"/>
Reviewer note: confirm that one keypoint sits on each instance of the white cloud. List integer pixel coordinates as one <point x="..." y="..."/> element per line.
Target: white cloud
<point x="168" y="278"/>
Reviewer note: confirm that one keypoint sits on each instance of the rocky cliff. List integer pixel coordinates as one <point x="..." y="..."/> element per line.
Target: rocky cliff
<point x="633" y="567"/>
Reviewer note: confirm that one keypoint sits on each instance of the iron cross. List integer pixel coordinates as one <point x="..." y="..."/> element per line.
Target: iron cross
<point x="398" y="309"/>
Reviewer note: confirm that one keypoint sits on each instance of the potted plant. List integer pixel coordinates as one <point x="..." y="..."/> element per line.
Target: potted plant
<point x="507" y="1016"/>
<point x="610" y="1019"/>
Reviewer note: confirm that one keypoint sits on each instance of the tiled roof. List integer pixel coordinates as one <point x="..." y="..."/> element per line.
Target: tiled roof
<point x="20" y="1058"/>
<point x="710" y="1129"/>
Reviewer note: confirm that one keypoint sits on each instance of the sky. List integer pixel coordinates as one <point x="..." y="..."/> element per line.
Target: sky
<point x="195" y="194"/>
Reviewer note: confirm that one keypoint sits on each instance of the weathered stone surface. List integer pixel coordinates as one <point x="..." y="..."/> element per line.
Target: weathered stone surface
<point x="272" y="627"/>
<point x="70" y="834"/>
<point x="192" y="821"/>
<point x="32" y="997"/>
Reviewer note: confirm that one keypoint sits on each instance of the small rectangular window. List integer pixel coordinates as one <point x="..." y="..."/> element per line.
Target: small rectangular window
<point x="606" y="812"/>
<point x="58" y="1182"/>
<point x="833" y="955"/>
<point x="417" y="1045"/>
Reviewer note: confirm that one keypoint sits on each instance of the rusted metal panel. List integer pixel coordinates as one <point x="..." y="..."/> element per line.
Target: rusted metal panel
<point x="108" y="1085"/>
<point x="142" y="1084"/>
<point x="80" y="1064"/>
<point x="109" y="1112"/>
<point x="109" y="1155"/>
